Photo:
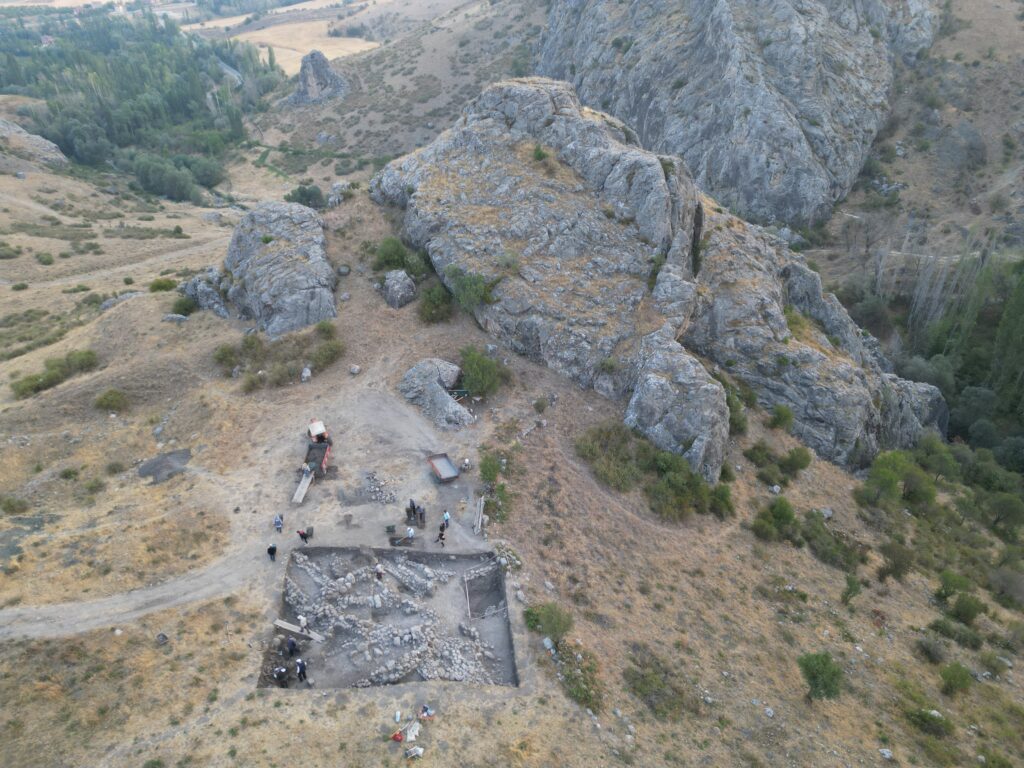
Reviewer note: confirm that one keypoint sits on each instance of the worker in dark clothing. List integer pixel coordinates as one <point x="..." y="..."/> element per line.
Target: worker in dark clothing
<point x="272" y="551"/>
<point x="422" y="514"/>
<point x="300" y="669"/>
<point x="440" y="536"/>
<point x="292" y="646"/>
<point x="304" y="536"/>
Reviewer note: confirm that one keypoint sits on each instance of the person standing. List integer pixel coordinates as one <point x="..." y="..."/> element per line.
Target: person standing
<point x="440" y="536"/>
<point x="447" y="518"/>
<point x="292" y="647"/>
<point x="378" y="571"/>
<point x="278" y="523"/>
<point x="300" y="669"/>
<point x="272" y="551"/>
<point x="304" y="536"/>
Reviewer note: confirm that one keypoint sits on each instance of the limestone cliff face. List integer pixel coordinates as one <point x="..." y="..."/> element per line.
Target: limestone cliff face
<point x="772" y="103"/>
<point x="552" y="205"/>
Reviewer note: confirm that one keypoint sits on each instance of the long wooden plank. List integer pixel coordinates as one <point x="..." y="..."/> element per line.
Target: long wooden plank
<point x="300" y="492"/>
<point x="298" y="630"/>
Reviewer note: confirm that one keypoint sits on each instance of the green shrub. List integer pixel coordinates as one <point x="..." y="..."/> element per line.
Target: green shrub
<point x="12" y="505"/>
<point x="956" y="678"/>
<point x="950" y="583"/>
<point x="226" y="356"/>
<point x="720" y="503"/>
<point x="926" y="722"/>
<point x="435" y="304"/>
<point x="991" y="661"/>
<point x="737" y="415"/>
<point x="727" y="475"/>
<point x="958" y="633"/>
<point x="898" y="560"/>
<point x="549" y="619"/>
<point x="932" y="649"/>
<point x="470" y="291"/>
<point x="782" y="418"/>
<point x="251" y="382"/>
<point x="45" y="259"/>
<point x="325" y="329"/>
<point x="162" y="284"/>
<point x="128" y="280"/>
<point x="112" y="400"/>
<point x="390" y="254"/>
<point x="656" y="683"/>
<point x="538" y="153"/>
<point x="95" y="485"/>
<point x="310" y="196"/>
<point x="776" y="521"/>
<point x="771" y="475"/>
<point x="796" y="460"/>
<point x="115" y="468"/>
<point x="967" y="608"/>
<point x="760" y="454"/>
<point x="540" y="405"/>
<point x="851" y="590"/>
<point x="19" y="287"/>
<point x="69" y="473"/>
<point x="823" y="675"/>
<point x="55" y="371"/>
<point x="481" y="376"/>
<point x="183" y="305"/>
<point x="326" y="353"/>
<point x="580" y="679"/>
<point x="826" y="546"/>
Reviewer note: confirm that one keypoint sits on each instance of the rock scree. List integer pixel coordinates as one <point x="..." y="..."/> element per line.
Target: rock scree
<point x="773" y="104"/>
<point x="275" y="272"/>
<point x="568" y="223"/>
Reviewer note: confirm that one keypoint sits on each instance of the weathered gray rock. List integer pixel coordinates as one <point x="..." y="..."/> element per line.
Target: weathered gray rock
<point x="773" y="104"/>
<point x="845" y="405"/>
<point x="399" y="289"/>
<point x="175" y="318"/>
<point x="427" y="383"/>
<point x="340" y="192"/>
<point x="567" y="243"/>
<point x="204" y="290"/>
<point x="119" y="299"/>
<point x="276" y="272"/>
<point x="677" y="404"/>
<point x="585" y="223"/>
<point x="17" y="142"/>
<point x="317" y="81"/>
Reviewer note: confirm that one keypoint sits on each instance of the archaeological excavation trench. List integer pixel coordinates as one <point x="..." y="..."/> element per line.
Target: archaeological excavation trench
<point x="432" y="616"/>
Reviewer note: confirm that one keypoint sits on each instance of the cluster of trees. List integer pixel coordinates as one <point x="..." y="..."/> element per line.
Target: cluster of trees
<point x="975" y="355"/>
<point x="136" y="93"/>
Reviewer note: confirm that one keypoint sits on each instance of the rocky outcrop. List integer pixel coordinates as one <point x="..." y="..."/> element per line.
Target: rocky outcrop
<point x="427" y="383"/>
<point x="548" y="204"/>
<point x="773" y="104"/>
<point x="204" y="289"/>
<point x="677" y="404"/>
<point x="317" y="82"/>
<point x="275" y="272"/>
<point x="15" y="141"/>
<point x="399" y="289"/>
<point x="761" y="315"/>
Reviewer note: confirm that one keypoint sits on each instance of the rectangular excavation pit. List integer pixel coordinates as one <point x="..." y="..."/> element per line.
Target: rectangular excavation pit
<point x="433" y="616"/>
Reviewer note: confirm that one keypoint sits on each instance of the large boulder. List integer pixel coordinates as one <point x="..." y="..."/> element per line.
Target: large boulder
<point x="548" y="204"/>
<point x="399" y="289"/>
<point x="317" y="81"/>
<point x="204" y="290"/>
<point x="773" y="104"/>
<point x="276" y="271"/>
<point x="678" y="405"/>
<point x="16" y="142"/>
<point x="427" y="383"/>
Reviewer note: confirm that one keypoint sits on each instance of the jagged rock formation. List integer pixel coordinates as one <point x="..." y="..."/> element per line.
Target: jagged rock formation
<point x="548" y="202"/>
<point x="773" y="104"/>
<point x="16" y="142"/>
<point x="427" y="383"/>
<point x="399" y="289"/>
<point x="317" y="82"/>
<point x="275" y="272"/>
